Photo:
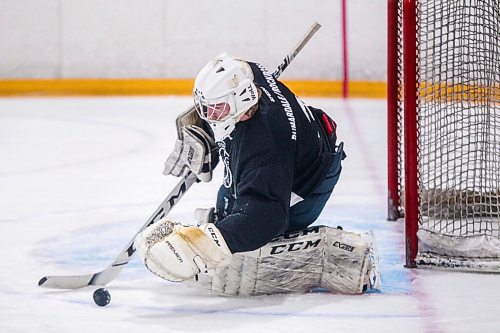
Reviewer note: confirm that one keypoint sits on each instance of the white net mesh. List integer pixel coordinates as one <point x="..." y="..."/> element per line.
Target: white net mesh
<point x="459" y="127"/>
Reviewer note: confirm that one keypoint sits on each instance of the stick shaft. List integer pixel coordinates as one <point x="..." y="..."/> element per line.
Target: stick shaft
<point x="290" y="56"/>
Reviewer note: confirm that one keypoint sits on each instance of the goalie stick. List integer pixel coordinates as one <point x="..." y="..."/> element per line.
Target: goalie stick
<point x="109" y="273"/>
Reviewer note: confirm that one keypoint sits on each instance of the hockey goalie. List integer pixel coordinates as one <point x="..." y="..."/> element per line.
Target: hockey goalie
<point x="281" y="163"/>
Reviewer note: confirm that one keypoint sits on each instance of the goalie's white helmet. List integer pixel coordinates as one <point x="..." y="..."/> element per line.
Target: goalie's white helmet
<point x="223" y="92"/>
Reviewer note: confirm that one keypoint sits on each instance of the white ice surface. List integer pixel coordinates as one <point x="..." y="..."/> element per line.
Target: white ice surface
<point x="78" y="176"/>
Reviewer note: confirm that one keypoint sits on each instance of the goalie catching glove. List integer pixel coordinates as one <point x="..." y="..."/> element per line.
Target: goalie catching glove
<point x="176" y="252"/>
<point x="194" y="148"/>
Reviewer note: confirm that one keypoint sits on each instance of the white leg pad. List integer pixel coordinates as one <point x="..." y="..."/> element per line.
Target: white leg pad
<point x="346" y="262"/>
<point x="317" y="257"/>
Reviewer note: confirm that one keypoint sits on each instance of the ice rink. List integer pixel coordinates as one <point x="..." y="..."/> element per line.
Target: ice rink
<point x="79" y="176"/>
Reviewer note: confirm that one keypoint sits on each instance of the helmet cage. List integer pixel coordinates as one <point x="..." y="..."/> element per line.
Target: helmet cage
<point x="215" y="109"/>
<point x="232" y="104"/>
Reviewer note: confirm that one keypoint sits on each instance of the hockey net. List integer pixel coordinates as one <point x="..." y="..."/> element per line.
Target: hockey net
<point x="448" y="130"/>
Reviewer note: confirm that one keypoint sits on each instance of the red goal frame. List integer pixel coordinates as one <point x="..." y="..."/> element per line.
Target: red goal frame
<point x="403" y="20"/>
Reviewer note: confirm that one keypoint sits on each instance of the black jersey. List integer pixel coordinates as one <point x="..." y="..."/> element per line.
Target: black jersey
<point x="279" y="151"/>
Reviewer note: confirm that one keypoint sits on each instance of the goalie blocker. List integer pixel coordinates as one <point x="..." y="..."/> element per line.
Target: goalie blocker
<point x="316" y="257"/>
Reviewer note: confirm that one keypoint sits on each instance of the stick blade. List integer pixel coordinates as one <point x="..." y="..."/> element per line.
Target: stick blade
<point x="80" y="281"/>
<point x="65" y="282"/>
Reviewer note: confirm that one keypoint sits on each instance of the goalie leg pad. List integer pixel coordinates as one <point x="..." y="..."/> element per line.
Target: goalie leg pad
<point x="346" y="262"/>
<point x="316" y="257"/>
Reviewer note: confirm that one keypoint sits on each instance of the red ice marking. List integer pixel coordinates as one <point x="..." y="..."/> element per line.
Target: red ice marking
<point x="424" y="304"/>
<point x="345" y="58"/>
<point x="363" y="145"/>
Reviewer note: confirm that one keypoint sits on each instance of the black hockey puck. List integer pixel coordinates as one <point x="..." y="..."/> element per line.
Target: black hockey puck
<point x="102" y="297"/>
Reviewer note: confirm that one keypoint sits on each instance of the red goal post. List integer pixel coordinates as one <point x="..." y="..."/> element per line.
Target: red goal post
<point x="444" y="131"/>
